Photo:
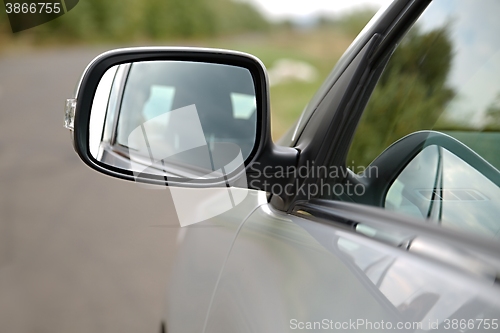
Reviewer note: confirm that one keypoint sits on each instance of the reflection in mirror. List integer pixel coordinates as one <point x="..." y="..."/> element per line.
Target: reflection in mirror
<point x="98" y="112"/>
<point x="439" y="186"/>
<point x="177" y="119"/>
<point x="419" y="293"/>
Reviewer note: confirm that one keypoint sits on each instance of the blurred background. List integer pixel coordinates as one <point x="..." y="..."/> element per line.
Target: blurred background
<point x="82" y="252"/>
<point x="299" y="42"/>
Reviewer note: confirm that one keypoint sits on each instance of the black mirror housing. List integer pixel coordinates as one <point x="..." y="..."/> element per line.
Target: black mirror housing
<point x="263" y="154"/>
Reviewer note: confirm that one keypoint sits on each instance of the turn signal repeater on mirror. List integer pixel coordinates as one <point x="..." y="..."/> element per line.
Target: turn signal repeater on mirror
<point x="69" y="114"/>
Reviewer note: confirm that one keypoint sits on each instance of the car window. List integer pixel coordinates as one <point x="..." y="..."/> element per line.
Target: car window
<point x="445" y="75"/>
<point x="440" y="186"/>
<point x="159" y="101"/>
<point x="444" y="78"/>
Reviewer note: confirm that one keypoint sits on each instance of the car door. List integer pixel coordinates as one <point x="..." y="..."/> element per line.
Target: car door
<point x="287" y="273"/>
<point x="381" y="214"/>
<point x="331" y="258"/>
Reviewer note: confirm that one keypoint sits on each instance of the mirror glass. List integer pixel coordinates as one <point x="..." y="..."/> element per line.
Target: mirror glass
<point x="441" y="187"/>
<point x="174" y="118"/>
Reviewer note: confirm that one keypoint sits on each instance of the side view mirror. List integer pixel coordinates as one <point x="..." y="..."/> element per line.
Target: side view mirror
<point x="186" y="117"/>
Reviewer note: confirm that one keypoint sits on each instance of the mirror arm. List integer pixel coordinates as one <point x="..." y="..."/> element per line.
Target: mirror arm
<point x="273" y="171"/>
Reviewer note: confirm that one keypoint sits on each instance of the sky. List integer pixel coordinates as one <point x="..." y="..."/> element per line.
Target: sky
<point x="279" y="9"/>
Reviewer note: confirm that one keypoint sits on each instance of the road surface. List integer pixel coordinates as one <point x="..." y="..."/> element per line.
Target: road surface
<point x="79" y="251"/>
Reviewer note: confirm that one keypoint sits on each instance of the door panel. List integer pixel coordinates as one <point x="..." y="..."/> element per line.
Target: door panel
<point x="285" y="270"/>
<point x="203" y="249"/>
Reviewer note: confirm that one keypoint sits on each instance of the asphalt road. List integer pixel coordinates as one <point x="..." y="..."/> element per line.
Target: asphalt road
<point x="79" y="251"/>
